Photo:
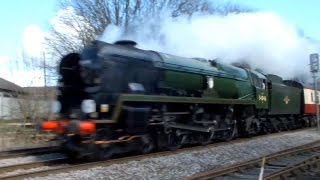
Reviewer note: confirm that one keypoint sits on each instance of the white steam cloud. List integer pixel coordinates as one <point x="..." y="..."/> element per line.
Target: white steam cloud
<point x="262" y="39"/>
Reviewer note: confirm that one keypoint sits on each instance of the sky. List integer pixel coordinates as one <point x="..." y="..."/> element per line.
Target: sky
<point x="304" y="14"/>
<point x="25" y="22"/>
<point x="17" y="15"/>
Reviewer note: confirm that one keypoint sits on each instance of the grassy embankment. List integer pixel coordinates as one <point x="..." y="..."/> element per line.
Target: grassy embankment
<point x="13" y="134"/>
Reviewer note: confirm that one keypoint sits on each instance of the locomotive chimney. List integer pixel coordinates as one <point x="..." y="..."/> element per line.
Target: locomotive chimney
<point x="127" y="43"/>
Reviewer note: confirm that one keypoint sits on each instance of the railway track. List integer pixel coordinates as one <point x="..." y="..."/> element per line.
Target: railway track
<point x="54" y="169"/>
<point x="31" y="151"/>
<point x="27" y="166"/>
<point x="279" y="165"/>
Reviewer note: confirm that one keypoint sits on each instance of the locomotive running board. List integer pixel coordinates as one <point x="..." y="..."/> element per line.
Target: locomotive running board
<point x="173" y="99"/>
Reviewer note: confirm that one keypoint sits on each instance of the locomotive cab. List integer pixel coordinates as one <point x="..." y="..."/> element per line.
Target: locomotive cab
<point x="260" y="86"/>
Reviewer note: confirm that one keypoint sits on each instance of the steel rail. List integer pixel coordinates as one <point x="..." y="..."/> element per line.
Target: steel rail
<point x="30" y="165"/>
<point x="255" y="164"/>
<point x="28" y="151"/>
<point x="293" y="169"/>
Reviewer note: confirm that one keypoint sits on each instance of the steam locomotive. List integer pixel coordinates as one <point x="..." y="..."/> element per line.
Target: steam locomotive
<point x="115" y="98"/>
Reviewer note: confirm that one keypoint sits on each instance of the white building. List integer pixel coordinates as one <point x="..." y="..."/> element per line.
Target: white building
<point x="24" y="103"/>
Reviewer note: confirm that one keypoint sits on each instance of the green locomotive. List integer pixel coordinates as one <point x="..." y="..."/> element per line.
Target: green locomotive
<point x="115" y="98"/>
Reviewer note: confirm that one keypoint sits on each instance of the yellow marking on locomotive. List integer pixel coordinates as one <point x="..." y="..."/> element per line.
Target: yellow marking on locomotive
<point x="262" y="98"/>
<point x="104" y="108"/>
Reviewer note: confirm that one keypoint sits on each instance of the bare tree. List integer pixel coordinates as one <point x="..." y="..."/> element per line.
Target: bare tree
<point x="84" y="20"/>
<point x="29" y="104"/>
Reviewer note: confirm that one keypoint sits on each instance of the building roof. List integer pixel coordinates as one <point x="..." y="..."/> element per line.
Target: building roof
<point x="9" y="86"/>
<point x="48" y="92"/>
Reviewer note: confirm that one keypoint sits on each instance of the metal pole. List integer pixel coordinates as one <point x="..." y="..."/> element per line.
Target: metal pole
<point x="316" y="99"/>
<point x="314" y="67"/>
<point x="44" y="75"/>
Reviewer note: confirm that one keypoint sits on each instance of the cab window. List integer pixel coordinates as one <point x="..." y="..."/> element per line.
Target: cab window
<point x="256" y="81"/>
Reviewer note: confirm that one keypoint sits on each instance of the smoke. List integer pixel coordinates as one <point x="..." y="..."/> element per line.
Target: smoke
<point x="262" y="39"/>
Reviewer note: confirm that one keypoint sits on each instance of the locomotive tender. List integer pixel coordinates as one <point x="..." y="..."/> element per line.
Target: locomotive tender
<point x="115" y="98"/>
